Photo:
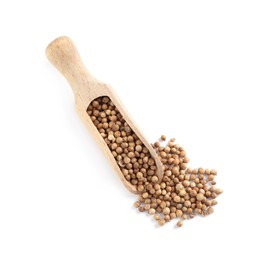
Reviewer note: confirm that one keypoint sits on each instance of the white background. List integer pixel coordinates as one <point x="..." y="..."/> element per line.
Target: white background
<point x="182" y="68"/>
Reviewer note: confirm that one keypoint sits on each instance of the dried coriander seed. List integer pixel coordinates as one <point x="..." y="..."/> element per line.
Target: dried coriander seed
<point x="179" y="224"/>
<point x="156" y="217"/>
<point x="163" y="137"/>
<point x="137" y="204"/>
<point x="161" y="222"/>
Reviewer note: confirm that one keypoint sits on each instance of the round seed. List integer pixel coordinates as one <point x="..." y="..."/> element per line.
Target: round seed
<point x="200" y="197"/>
<point x="179" y="224"/>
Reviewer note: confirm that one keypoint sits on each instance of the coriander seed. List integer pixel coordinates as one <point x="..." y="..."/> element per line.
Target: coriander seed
<point x="179" y="224"/>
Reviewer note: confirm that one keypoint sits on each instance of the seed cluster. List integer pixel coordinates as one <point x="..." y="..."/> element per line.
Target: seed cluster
<point x="133" y="158"/>
<point x="183" y="192"/>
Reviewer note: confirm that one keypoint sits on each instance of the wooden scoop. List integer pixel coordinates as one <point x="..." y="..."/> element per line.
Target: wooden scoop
<point x="64" y="56"/>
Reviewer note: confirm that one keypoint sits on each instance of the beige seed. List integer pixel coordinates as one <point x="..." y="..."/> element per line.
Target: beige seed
<point x="178" y="213"/>
<point x="154" y="179"/>
<point x="141" y="209"/>
<point x="138" y="148"/>
<point x="200" y="197"/>
<point x="167" y="218"/>
<point x="119" y="140"/>
<point x="211" y="177"/>
<point x="179" y="186"/>
<point x="95" y="103"/>
<point x="179" y="224"/>
<point x="212" y="189"/>
<point x="131" y="155"/>
<point x="145" y="195"/>
<point x="183" y="166"/>
<point x="175" y="170"/>
<point x="195" y="171"/>
<point x="140" y="188"/>
<point x="218" y="191"/>
<point x="187" y="203"/>
<point x="126" y="160"/>
<point x="119" y="150"/>
<point x="151" y="211"/>
<point x="162" y="185"/>
<point x="161" y="222"/>
<point x="147" y="207"/>
<point x="182" y="193"/>
<point x="214" y="202"/>
<point x="182" y="154"/>
<point x="166" y="211"/>
<point x="214" y="172"/>
<point x="163" y="154"/>
<point x="156" y="186"/>
<point x="163" y="137"/>
<point x="186" y="183"/>
<point x="172" y="215"/>
<point x="139" y="175"/>
<point x="157" y="144"/>
<point x="186" y="160"/>
<point x="184" y="217"/>
<point x="111" y="137"/>
<point x="163" y="204"/>
<point x="151" y="162"/>
<point x="137" y="204"/>
<point x="156" y="217"/>
<point x="201" y="170"/>
<point x="177" y="199"/>
<point x="114" y="146"/>
<point x="210" y="210"/>
<point x="168" y="173"/>
<point x="176" y="161"/>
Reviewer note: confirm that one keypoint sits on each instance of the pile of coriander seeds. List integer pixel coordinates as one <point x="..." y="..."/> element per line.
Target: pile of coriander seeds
<point x="183" y="192"/>
<point x="131" y="155"/>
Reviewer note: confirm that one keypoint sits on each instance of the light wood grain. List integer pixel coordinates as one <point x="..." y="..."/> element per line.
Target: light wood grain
<point x="64" y="56"/>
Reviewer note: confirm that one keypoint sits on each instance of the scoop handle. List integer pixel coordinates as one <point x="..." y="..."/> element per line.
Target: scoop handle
<point x="63" y="54"/>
